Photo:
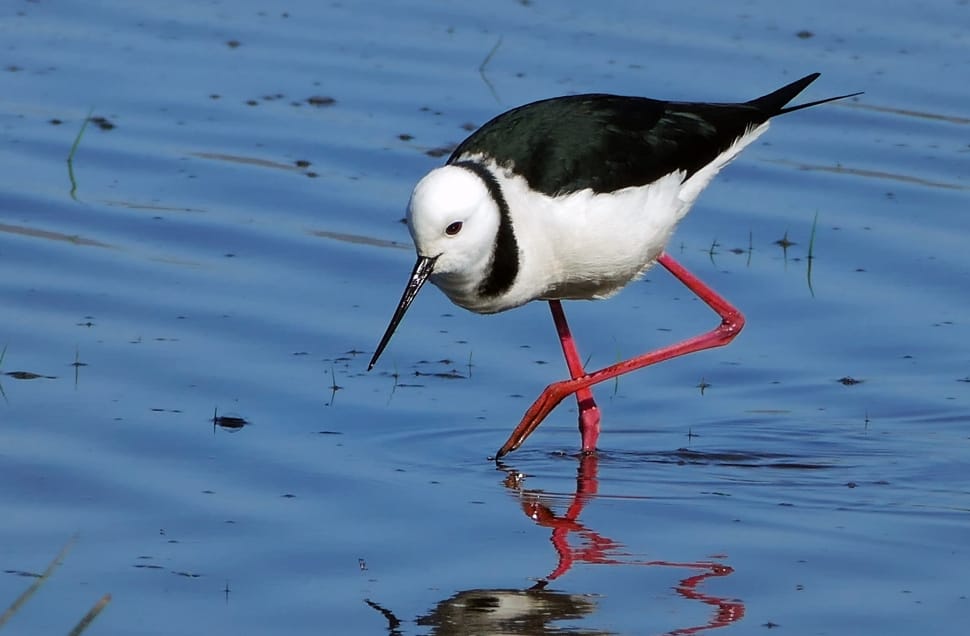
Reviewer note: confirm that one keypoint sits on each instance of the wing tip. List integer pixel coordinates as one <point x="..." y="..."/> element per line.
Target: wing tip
<point x="775" y="103"/>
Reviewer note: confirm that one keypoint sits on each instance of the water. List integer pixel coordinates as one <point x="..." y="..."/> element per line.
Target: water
<point x="232" y="246"/>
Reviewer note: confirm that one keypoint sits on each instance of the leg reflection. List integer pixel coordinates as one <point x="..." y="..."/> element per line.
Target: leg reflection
<point x="590" y="546"/>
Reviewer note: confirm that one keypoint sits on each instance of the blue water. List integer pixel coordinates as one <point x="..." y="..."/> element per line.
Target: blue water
<point x="198" y="265"/>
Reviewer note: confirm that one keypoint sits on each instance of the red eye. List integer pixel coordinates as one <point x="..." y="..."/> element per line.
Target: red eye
<point x="453" y="229"/>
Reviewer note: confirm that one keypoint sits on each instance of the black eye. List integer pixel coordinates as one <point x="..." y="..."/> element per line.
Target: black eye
<point x="453" y="229"/>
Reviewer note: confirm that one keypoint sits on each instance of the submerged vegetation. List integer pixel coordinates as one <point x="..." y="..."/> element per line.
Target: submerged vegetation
<point x="42" y="578"/>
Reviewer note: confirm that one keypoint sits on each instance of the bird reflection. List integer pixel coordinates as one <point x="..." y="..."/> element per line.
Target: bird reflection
<point x="592" y="547"/>
<point x="538" y="611"/>
<point x="509" y="611"/>
<point x="495" y="612"/>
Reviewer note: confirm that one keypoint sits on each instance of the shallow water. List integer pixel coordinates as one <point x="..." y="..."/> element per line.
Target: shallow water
<point x="232" y="245"/>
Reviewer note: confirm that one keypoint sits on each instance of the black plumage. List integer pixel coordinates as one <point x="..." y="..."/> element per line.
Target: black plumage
<point x="609" y="142"/>
<point x="504" y="266"/>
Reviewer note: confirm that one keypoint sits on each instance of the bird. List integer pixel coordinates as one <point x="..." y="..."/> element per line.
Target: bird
<point x="574" y="197"/>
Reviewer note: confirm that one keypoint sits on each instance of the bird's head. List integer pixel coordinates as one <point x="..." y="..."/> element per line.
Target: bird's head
<point x="453" y="219"/>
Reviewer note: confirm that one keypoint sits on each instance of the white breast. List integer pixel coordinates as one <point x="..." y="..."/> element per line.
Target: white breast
<point x="586" y="245"/>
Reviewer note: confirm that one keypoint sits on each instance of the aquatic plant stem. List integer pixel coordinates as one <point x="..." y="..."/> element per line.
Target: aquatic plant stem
<point x="70" y="155"/>
<point x="811" y="255"/>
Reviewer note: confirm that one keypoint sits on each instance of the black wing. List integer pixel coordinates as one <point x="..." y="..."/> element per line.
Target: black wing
<point x="609" y="142"/>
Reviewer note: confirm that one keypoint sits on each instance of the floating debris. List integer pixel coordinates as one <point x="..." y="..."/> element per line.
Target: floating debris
<point x="320" y="101"/>
<point x="229" y="422"/>
<point x="440" y="151"/>
<point x="102" y="122"/>
<point x="27" y="375"/>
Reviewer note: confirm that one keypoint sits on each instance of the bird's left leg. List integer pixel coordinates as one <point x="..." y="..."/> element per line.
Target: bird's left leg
<point x="589" y="413"/>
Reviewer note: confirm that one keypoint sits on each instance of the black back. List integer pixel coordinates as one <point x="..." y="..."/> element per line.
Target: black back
<point x="608" y="142"/>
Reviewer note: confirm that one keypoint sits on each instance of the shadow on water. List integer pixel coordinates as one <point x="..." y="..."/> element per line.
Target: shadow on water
<point x="734" y="459"/>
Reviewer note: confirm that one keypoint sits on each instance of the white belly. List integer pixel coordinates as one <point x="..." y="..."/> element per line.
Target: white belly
<point x="587" y="245"/>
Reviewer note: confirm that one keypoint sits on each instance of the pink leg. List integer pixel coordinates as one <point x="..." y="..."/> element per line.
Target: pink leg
<point x="589" y="413"/>
<point x="731" y="323"/>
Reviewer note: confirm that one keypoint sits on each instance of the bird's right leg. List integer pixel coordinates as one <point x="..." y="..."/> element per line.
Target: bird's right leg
<point x="589" y="413"/>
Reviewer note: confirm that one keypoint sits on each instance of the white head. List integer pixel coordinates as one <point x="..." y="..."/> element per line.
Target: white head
<point x="454" y="221"/>
<point x="453" y="218"/>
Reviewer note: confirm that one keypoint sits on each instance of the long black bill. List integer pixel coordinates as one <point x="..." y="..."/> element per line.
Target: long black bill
<point x="422" y="270"/>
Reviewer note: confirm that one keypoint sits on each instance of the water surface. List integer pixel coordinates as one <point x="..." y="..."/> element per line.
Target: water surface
<point x="228" y="242"/>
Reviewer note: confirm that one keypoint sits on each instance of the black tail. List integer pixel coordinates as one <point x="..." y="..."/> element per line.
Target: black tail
<point x="774" y="103"/>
